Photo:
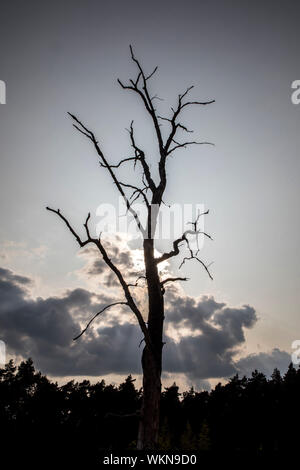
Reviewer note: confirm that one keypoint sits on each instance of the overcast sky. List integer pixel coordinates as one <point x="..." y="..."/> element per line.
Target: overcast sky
<point x="62" y="56"/>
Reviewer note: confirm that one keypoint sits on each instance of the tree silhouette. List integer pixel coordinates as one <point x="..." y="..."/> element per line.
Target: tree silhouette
<point x="151" y="193"/>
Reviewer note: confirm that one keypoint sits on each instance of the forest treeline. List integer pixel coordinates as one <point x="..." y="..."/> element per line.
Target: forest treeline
<point x="253" y="415"/>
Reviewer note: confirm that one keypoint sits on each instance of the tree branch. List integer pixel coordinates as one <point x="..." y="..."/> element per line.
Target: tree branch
<point x="183" y="145"/>
<point x="144" y="94"/>
<point x="120" y="162"/>
<point x="176" y="244"/>
<point x="95" y="316"/>
<point x="182" y="239"/>
<point x="177" y="111"/>
<point x="174" y="127"/>
<point x="137" y="281"/>
<point x="89" y="134"/>
<point x="200" y="261"/>
<point x="80" y="242"/>
<point x="140" y="87"/>
<point x="140" y="156"/>
<point x="173" y="279"/>
<point x="138" y="191"/>
<point x="129" y="299"/>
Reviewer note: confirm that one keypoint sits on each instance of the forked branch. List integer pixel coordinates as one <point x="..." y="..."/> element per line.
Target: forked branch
<point x="143" y="92"/>
<point x="90" y="135"/>
<point x="140" y="87"/>
<point x="97" y="241"/>
<point x="184" y="239"/>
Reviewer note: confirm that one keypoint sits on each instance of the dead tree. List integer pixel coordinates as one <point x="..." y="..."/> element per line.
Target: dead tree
<point x="151" y="192"/>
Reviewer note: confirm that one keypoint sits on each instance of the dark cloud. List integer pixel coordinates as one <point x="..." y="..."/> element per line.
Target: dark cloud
<point x="12" y="289"/>
<point x="190" y="311"/>
<point x="264" y="362"/>
<point x="199" y="358"/>
<point x="216" y="333"/>
<point x="97" y="267"/>
<point x="44" y="328"/>
<point x="210" y="353"/>
<point x="8" y="275"/>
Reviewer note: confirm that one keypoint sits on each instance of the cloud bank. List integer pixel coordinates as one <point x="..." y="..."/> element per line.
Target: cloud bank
<point x="202" y="336"/>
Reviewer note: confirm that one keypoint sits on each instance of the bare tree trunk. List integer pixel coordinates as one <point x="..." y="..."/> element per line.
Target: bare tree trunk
<point x="149" y="421"/>
<point x="152" y="359"/>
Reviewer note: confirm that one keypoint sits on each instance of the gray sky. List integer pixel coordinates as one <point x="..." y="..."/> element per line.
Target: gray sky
<point x="66" y="56"/>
